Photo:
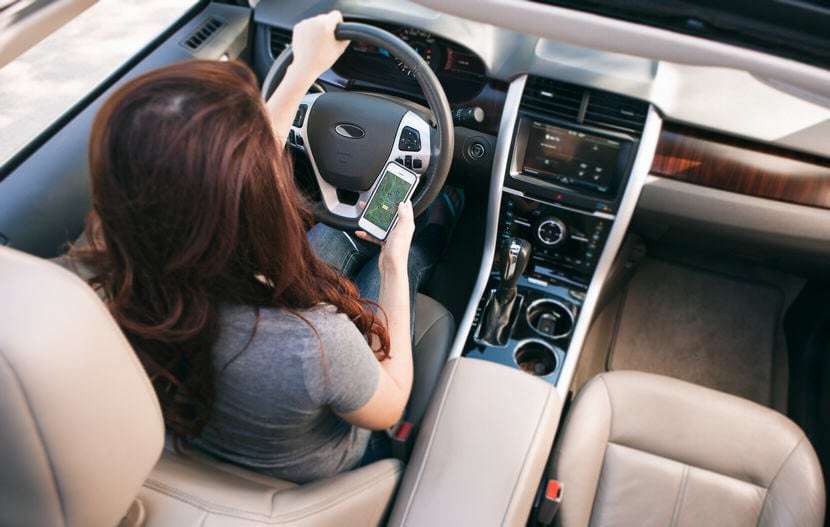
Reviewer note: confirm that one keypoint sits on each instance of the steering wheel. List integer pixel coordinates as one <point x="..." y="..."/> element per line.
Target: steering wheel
<point x="350" y="137"/>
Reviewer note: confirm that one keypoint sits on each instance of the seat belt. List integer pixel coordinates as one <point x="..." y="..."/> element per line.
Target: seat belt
<point x="401" y="437"/>
<point x="548" y="502"/>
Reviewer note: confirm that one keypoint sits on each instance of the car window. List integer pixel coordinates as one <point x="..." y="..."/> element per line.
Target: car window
<point x="40" y="85"/>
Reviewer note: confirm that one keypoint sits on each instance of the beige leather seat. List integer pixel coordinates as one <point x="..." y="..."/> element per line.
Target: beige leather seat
<point x="640" y="449"/>
<point x="80" y="426"/>
<point x="81" y="431"/>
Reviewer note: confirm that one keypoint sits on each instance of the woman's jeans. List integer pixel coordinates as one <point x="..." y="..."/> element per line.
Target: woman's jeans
<point x="358" y="259"/>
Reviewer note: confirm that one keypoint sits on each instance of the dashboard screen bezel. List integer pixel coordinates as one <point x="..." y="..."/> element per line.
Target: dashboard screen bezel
<point x="627" y="147"/>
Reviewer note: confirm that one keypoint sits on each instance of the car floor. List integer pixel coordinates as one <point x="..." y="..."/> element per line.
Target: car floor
<point x="708" y="320"/>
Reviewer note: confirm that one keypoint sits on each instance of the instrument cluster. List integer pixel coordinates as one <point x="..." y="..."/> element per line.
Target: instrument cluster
<point x="460" y="70"/>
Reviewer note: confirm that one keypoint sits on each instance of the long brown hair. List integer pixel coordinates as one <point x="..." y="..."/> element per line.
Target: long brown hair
<point x="194" y="204"/>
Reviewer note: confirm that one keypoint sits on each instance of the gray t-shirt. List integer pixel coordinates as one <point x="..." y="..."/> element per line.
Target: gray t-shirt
<point x="275" y="402"/>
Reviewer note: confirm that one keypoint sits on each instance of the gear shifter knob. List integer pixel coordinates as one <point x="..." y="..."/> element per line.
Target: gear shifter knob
<point x="494" y="329"/>
<point x="513" y="260"/>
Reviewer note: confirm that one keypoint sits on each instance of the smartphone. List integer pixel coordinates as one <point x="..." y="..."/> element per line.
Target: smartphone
<point x="395" y="186"/>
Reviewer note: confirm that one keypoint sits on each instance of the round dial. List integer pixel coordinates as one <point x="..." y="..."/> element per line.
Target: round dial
<point x="551" y="232"/>
<point x="424" y="45"/>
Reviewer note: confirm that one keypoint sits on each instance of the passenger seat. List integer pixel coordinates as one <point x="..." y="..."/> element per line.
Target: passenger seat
<point x="640" y="449"/>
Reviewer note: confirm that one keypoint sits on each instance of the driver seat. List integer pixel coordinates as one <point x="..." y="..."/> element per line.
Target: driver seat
<point x="83" y="438"/>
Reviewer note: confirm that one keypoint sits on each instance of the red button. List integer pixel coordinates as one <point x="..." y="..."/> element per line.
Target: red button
<point x="553" y="490"/>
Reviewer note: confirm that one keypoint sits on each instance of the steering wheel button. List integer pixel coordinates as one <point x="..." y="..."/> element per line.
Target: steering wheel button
<point x="410" y="140"/>
<point x="407" y="162"/>
<point x="291" y="138"/>
<point x="300" y="116"/>
<point x="417" y="163"/>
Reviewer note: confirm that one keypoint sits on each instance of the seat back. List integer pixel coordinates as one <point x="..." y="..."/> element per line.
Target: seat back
<point x="642" y="449"/>
<point x="80" y="425"/>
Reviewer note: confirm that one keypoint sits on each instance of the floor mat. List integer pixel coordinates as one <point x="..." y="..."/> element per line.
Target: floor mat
<point x="701" y="327"/>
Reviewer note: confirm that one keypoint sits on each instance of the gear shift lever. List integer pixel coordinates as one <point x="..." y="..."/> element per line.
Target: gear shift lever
<point x="513" y="260"/>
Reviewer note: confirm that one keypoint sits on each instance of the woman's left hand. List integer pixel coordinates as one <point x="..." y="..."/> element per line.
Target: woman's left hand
<point x="315" y="48"/>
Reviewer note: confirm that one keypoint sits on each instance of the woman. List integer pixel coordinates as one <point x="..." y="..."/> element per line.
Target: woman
<point x="260" y="352"/>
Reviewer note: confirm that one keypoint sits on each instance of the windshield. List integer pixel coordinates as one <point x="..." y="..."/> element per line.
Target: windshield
<point x="793" y="29"/>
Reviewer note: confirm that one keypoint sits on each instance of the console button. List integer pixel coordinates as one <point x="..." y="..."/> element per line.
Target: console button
<point x="477" y="150"/>
<point x="551" y="232"/>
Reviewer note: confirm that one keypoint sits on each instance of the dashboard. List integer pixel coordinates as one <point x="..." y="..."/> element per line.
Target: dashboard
<point x="587" y="143"/>
<point x="710" y="114"/>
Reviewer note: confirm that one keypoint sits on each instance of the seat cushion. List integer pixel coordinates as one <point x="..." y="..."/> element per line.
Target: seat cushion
<point x="642" y="449"/>
<point x="194" y="490"/>
<point x="434" y="332"/>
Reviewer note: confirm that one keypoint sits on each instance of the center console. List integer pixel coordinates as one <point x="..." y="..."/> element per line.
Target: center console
<point x="567" y="173"/>
<point x="562" y="196"/>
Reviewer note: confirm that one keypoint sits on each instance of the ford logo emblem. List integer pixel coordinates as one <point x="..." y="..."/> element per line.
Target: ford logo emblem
<point x="349" y="131"/>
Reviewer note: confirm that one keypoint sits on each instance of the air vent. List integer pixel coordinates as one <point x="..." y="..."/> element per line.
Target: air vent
<point x="203" y="34"/>
<point x="608" y="110"/>
<point x="279" y="38"/>
<point x="578" y="105"/>
<point x="553" y="98"/>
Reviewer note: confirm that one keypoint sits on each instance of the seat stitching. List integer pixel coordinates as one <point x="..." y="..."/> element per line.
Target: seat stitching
<point x="52" y="471"/>
<point x="704" y="469"/>
<point x="681" y="495"/>
<point x="777" y="473"/>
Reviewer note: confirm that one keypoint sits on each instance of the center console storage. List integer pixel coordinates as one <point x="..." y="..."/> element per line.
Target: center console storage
<point x="482" y="448"/>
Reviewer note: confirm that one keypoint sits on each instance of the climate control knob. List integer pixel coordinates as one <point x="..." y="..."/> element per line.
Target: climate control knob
<point x="551" y="232"/>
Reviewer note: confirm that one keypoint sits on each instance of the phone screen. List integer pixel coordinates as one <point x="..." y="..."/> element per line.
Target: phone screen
<point x="383" y="206"/>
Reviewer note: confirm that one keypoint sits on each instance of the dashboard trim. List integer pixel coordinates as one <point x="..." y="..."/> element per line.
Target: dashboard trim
<point x="639" y="173"/>
<point x="501" y="160"/>
<point x="717" y="161"/>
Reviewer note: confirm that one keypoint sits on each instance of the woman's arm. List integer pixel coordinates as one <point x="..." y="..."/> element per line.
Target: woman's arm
<point x="315" y="50"/>
<point x="387" y="404"/>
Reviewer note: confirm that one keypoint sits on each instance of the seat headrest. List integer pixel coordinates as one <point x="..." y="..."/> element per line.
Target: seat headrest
<point x="80" y="425"/>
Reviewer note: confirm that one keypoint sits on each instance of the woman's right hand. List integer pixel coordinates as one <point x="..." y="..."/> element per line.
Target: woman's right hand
<point x="394" y="251"/>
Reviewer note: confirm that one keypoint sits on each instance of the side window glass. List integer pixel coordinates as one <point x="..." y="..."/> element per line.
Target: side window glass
<point x="45" y="81"/>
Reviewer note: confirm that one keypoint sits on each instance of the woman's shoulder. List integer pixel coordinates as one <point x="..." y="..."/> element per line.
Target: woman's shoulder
<point x="322" y="320"/>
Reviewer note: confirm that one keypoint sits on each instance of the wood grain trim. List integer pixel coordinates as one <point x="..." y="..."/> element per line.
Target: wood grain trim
<point x="727" y="163"/>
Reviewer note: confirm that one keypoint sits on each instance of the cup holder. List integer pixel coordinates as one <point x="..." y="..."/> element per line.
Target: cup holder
<point x="535" y="357"/>
<point x="550" y="318"/>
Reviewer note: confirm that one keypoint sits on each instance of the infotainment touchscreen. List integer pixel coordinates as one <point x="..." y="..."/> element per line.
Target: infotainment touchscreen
<point x="573" y="159"/>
